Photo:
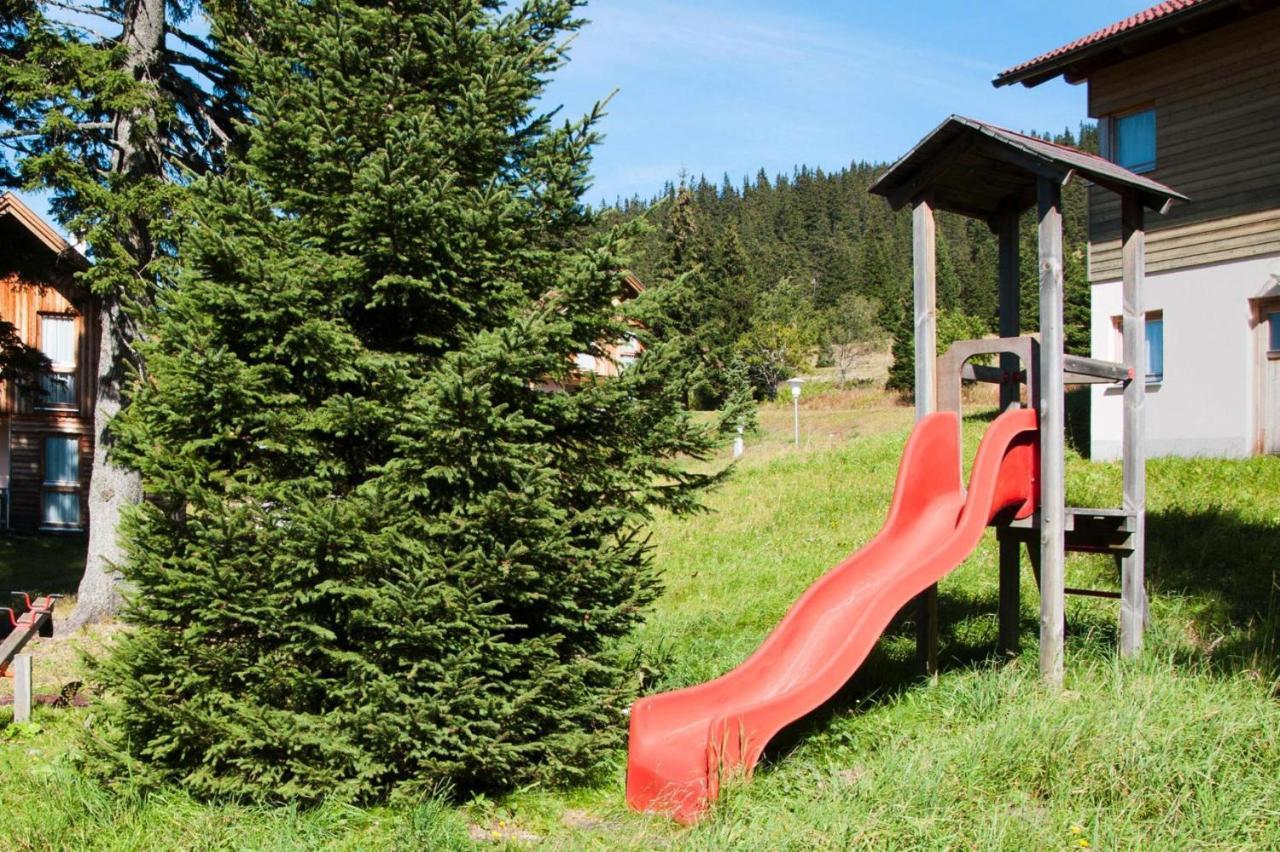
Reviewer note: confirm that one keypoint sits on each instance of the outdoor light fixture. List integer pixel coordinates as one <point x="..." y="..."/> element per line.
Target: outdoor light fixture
<point x="795" y="404"/>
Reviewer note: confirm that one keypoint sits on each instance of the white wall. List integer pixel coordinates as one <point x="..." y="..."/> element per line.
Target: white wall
<point x="1205" y="405"/>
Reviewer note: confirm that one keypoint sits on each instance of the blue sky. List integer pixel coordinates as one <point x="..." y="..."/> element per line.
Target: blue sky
<point x="716" y="86"/>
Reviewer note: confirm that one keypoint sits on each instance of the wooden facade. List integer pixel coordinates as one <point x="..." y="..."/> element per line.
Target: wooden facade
<point x="38" y="295"/>
<point x="1216" y="97"/>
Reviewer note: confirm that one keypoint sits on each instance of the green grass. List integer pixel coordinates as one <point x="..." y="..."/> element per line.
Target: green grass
<point x="49" y="564"/>
<point x="1179" y="749"/>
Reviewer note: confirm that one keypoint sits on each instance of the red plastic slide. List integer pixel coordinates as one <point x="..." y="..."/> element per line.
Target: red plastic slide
<point x="683" y="742"/>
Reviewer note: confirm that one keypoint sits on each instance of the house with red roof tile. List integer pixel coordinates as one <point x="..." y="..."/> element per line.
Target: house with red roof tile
<point x="1187" y="92"/>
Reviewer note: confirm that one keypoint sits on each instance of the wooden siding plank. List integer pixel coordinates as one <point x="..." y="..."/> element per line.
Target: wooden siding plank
<point x="1251" y="235"/>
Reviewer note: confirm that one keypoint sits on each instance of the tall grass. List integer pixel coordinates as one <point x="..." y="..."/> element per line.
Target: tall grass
<point x="1178" y="749"/>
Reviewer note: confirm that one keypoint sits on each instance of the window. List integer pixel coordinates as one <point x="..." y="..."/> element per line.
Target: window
<point x="60" y="497"/>
<point x="1155" y="347"/>
<point x="1154" y="328"/>
<point x="628" y="352"/>
<point x="1135" y="140"/>
<point x="58" y="343"/>
<point x="1273" y="331"/>
<point x="586" y="362"/>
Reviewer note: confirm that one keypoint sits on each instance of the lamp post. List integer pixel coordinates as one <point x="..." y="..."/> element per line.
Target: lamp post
<point x="795" y="404"/>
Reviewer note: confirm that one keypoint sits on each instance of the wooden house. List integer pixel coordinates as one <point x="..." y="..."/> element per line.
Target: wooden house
<point x="1188" y="93"/>
<point x="46" y="439"/>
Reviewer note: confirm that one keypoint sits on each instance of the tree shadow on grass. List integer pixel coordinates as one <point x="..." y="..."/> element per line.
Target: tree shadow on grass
<point x="1225" y="568"/>
<point x="966" y="638"/>
<point x="47" y="564"/>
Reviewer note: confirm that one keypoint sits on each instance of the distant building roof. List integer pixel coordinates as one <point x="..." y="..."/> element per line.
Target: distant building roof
<point x="632" y="283"/>
<point x="12" y="206"/>
<point x="1161" y="25"/>
<point x="975" y="169"/>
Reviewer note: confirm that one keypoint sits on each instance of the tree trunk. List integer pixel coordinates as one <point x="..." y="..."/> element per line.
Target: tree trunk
<point x="112" y="488"/>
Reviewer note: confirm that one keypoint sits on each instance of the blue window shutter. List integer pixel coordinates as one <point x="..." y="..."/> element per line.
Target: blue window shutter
<point x="1273" y="322"/>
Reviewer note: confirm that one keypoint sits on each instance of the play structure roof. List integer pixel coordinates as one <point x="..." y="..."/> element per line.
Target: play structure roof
<point x="976" y="169"/>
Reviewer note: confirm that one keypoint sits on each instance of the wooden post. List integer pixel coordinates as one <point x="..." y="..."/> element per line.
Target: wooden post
<point x="1133" y="594"/>
<point x="1052" y="435"/>
<point x="924" y="287"/>
<point x="924" y="283"/>
<point x="1010" y="326"/>
<point x="22" y="688"/>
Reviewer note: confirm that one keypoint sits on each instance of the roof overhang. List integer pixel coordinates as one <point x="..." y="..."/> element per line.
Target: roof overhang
<point x="980" y="170"/>
<point x="1160" y="26"/>
<point x="12" y="206"/>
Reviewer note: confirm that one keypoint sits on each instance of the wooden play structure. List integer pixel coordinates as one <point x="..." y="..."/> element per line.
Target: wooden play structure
<point x="994" y="175"/>
<point x="681" y="744"/>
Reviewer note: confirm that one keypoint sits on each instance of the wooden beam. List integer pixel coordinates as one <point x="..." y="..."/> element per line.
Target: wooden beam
<point x="1133" y="594"/>
<point x="924" y="285"/>
<point x="979" y="373"/>
<point x="1042" y="168"/>
<point x="1009" y="639"/>
<point x="1095" y="368"/>
<point x="21" y="635"/>
<point x="1084" y="379"/>
<point x="920" y="181"/>
<point x="1052" y="434"/>
<point x="1093" y="593"/>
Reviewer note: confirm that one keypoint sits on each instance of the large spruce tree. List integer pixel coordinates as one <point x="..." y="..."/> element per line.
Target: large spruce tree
<point x="391" y="536"/>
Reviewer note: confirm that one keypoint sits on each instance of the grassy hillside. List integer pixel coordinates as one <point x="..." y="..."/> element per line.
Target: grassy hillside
<point x="1179" y="749"/>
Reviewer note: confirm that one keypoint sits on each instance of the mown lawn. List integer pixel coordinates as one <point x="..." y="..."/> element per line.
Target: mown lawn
<point x="1180" y="749"/>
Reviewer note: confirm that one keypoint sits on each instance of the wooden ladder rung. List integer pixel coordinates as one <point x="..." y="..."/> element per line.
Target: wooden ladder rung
<point x="1093" y="593"/>
<point x="1118" y="520"/>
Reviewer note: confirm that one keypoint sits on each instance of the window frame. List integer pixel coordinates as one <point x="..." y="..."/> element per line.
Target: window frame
<point x="1272" y="333"/>
<point x="59" y="486"/>
<point x="64" y="370"/>
<point x="1117" y="342"/>
<point x="1113" y="142"/>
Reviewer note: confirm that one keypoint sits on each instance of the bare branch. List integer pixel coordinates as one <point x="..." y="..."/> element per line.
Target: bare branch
<point x="206" y="47"/>
<point x="85" y="31"/>
<point x="212" y="70"/>
<point x="83" y="126"/>
<point x="104" y="12"/>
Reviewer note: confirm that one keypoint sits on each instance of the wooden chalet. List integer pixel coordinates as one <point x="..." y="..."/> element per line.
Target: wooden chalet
<point x="46" y="439"/>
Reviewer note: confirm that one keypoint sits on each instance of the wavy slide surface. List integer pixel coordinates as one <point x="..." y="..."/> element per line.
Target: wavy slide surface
<point x="683" y="742"/>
